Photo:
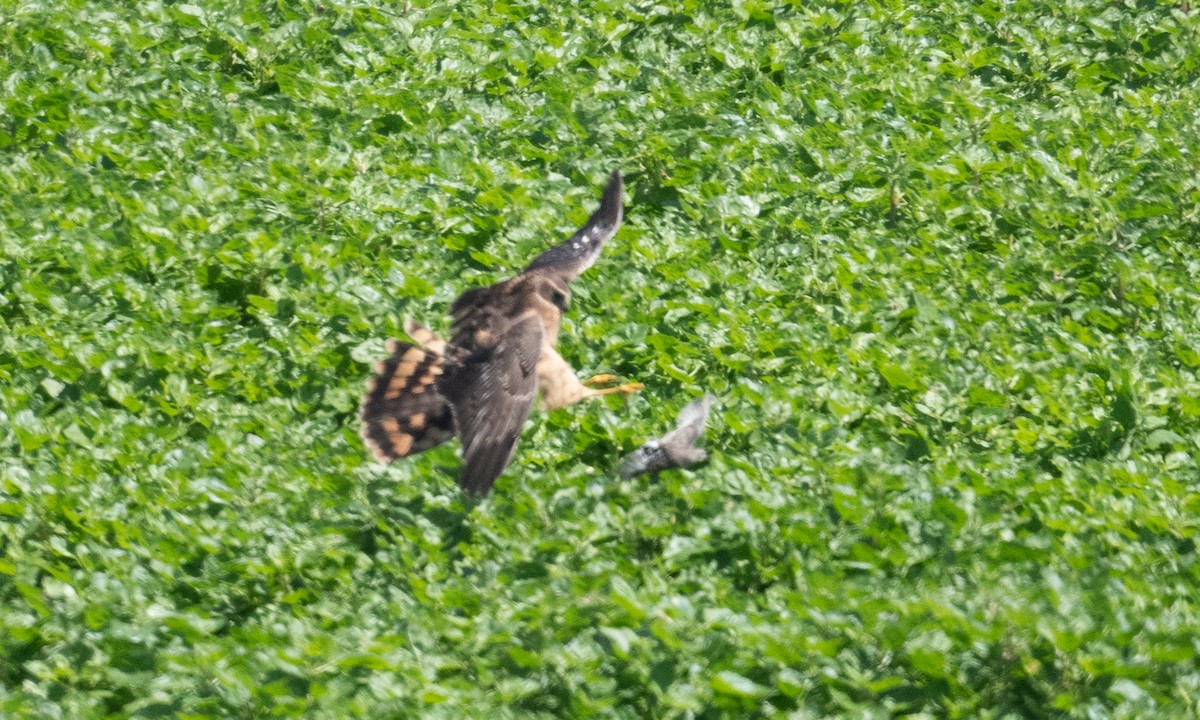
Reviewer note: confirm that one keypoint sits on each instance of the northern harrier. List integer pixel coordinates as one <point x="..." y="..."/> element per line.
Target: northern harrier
<point x="481" y="384"/>
<point x="675" y="449"/>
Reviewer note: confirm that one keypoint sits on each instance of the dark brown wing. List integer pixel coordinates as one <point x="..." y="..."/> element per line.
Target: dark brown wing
<point x="473" y="300"/>
<point x="491" y="388"/>
<point x="402" y="412"/>
<point x="578" y="253"/>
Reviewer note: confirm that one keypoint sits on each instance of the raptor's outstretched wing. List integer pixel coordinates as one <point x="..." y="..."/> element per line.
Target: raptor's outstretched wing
<point x="578" y="253"/>
<point x="402" y="412"/>
<point x="491" y="389"/>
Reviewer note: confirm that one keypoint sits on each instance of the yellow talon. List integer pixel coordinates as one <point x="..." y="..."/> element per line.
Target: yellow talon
<point x="626" y="389"/>
<point x="599" y="379"/>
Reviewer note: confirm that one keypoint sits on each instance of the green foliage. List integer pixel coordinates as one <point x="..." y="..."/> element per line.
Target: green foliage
<point x="938" y="262"/>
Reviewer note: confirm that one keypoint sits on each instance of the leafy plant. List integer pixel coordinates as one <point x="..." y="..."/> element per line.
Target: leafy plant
<point x="937" y="262"/>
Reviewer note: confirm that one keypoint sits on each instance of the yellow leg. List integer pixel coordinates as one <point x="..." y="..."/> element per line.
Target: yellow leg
<point x="559" y="386"/>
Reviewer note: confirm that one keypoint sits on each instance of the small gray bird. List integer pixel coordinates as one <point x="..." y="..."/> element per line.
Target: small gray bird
<point x="675" y="449"/>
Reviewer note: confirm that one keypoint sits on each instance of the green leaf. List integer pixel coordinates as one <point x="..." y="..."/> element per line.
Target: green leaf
<point x="983" y="397"/>
<point x="898" y="377"/>
<point x="730" y="683"/>
<point x="1124" y="412"/>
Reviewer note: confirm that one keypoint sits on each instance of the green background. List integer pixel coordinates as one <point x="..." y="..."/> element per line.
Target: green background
<point x="938" y="263"/>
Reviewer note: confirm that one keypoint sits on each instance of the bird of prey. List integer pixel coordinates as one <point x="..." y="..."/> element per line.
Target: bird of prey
<point x="480" y="385"/>
<point x="675" y="449"/>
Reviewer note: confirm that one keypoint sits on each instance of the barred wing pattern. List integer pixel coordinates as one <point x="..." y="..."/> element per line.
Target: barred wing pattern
<point x="402" y="412"/>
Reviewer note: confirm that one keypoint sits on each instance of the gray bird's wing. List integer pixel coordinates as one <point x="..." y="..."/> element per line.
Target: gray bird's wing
<point x="689" y="424"/>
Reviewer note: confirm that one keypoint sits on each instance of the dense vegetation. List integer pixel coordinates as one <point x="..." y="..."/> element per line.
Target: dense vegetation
<point x="938" y="264"/>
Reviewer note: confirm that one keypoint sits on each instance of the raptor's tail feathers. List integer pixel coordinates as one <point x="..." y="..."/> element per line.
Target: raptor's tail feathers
<point x="402" y="412"/>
